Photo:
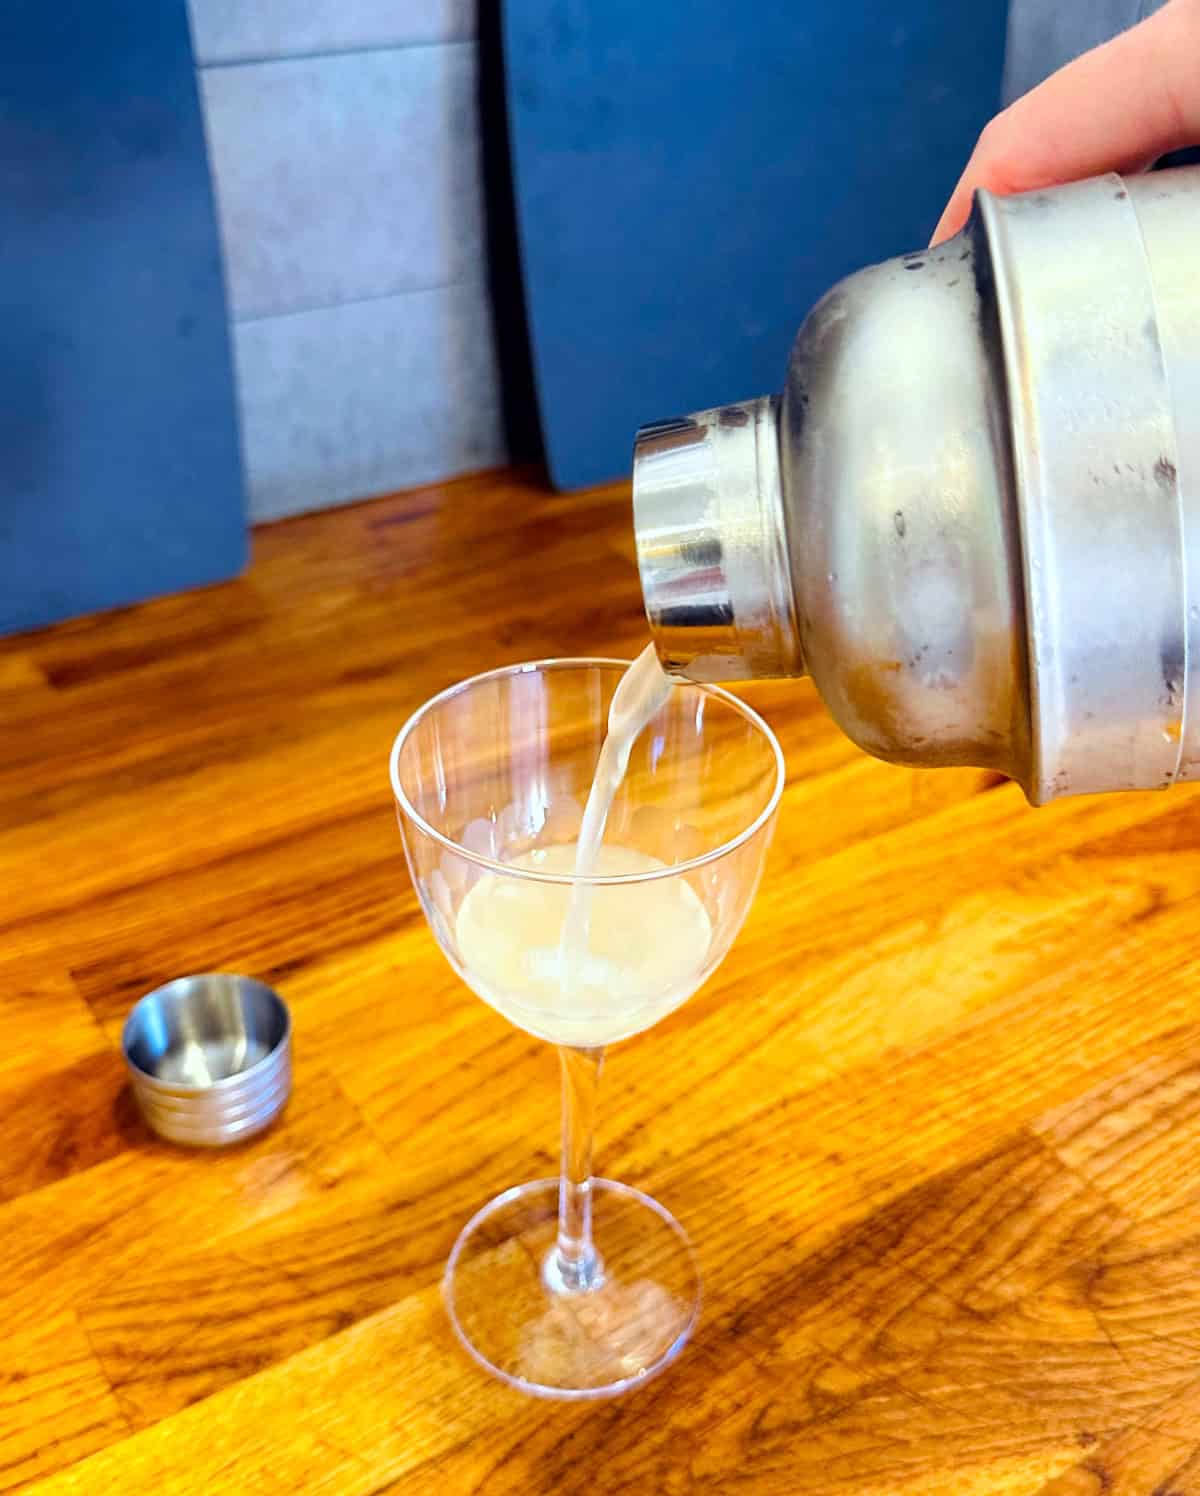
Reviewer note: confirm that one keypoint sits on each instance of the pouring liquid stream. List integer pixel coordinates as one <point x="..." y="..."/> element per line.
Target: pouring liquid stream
<point x="642" y="692"/>
<point x="588" y="964"/>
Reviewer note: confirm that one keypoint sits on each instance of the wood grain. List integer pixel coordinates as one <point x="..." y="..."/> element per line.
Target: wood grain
<point x="934" y="1127"/>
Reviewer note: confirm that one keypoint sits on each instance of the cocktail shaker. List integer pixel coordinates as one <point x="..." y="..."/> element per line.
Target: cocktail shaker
<point x="973" y="515"/>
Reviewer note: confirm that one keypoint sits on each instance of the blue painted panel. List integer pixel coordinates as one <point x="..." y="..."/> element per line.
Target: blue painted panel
<point x="691" y="178"/>
<point x="119" y="471"/>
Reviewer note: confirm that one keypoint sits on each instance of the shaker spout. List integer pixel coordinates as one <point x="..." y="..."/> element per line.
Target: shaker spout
<point x="712" y="544"/>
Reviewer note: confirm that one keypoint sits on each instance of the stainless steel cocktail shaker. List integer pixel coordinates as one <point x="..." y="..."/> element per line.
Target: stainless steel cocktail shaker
<point x="973" y="516"/>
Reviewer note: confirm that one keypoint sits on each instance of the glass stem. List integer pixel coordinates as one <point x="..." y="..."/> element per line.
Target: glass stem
<point x="576" y="1265"/>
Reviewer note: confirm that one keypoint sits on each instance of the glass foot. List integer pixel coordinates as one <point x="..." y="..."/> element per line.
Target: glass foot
<point x="592" y="1343"/>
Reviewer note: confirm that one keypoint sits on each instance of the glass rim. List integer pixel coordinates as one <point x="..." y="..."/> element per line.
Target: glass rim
<point x="569" y="662"/>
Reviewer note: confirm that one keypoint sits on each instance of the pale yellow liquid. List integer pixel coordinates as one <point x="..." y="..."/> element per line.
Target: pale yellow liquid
<point x="642" y="690"/>
<point x="646" y="952"/>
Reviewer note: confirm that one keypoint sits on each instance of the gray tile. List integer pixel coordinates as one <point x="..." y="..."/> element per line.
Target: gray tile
<point x="350" y="401"/>
<point x="234" y="30"/>
<point x="339" y="178"/>
<point x="1043" y="38"/>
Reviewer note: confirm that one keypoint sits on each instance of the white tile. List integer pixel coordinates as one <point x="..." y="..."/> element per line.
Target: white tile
<point x="339" y="178"/>
<point x="350" y="401"/>
<point x="236" y="30"/>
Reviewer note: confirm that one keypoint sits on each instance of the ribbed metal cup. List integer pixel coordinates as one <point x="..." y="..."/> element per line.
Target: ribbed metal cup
<point x="209" y="1058"/>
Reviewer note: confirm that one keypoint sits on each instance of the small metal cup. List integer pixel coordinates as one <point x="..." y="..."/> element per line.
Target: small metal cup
<point x="210" y="1058"/>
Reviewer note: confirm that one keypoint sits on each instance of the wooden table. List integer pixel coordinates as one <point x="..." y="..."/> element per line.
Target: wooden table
<point x="934" y="1127"/>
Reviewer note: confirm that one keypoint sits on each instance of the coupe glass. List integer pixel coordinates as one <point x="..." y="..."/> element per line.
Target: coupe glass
<point x="580" y="1287"/>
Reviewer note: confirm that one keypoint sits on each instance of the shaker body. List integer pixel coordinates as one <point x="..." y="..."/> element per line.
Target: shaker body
<point x="973" y="517"/>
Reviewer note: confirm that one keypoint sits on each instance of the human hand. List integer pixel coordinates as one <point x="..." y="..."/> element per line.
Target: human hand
<point x="1117" y="108"/>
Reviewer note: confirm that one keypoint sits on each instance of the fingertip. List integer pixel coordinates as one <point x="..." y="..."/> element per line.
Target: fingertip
<point x="949" y="223"/>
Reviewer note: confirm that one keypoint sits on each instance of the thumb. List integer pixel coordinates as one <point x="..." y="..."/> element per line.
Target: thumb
<point x="1116" y="108"/>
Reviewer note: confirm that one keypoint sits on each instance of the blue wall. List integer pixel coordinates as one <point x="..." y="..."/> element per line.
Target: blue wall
<point x="691" y="178"/>
<point x="119" y="471"/>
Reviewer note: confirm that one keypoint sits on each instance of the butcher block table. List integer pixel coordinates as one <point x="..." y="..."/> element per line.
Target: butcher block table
<point x="934" y="1127"/>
